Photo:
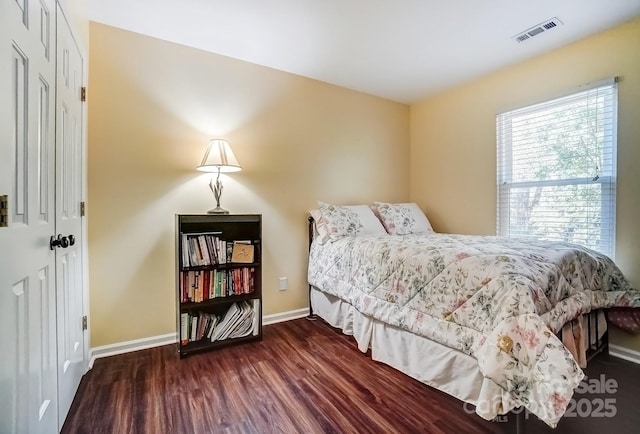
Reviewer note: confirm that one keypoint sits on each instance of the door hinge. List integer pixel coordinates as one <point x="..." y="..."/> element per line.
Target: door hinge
<point x="82" y="209"/>
<point x="4" y="211"/>
<point x="84" y="322"/>
<point x="83" y="94"/>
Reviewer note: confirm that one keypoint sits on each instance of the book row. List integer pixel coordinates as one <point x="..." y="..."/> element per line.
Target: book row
<point x="209" y="249"/>
<point x="201" y="285"/>
<point x="240" y="320"/>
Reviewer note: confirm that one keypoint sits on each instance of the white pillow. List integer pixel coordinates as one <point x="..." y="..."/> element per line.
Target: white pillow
<point x="337" y="221"/>
<point x="402" y="218"/>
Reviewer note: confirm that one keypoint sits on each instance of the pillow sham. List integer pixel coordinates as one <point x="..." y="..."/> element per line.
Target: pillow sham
<point x="337" y="221"/>
<point x="402" y="218"/>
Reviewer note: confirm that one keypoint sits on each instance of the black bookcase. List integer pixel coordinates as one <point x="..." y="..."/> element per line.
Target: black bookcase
<point x="218" y="280"/>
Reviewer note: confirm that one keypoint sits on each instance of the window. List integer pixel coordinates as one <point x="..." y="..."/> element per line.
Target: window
<point x="557" y="169"/>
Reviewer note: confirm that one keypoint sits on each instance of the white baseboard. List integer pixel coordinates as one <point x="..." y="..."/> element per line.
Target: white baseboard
<point x="285" y="316"/>
<point x="170" y="338"/>
<point x="624" y="353"/>
<point x="129" y="346"/>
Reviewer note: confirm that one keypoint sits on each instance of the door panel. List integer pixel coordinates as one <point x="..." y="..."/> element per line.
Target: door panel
<point x="28" y="372"/>
<point x="44" y="151"/>
<point x="19" y="108"/>
<point x="43" y="344"/>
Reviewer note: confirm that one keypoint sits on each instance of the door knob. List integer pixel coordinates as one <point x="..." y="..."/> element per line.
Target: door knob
<point x="61" y="241"/>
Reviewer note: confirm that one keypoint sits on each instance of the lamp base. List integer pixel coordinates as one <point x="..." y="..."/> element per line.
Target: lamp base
<point x="218" y="210"/>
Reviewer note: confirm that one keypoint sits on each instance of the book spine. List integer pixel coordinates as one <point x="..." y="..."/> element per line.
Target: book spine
<point x="184" y="248"/>
<point x="184" y="328"/>
<point x="204" y="250"/>
<point x="194" y="328"/>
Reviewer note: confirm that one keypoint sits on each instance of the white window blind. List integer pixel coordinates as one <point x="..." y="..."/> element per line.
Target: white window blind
<point x="557" y="169"/>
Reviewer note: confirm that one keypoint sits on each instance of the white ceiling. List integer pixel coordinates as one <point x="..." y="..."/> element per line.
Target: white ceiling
<point x="402" y="50"/>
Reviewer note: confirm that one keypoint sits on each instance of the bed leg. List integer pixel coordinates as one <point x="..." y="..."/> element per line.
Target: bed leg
<point x="520" y="422"/>
<point x="312" y="316"/>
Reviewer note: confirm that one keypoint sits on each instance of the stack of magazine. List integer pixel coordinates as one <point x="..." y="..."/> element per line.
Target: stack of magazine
<point x="240" y="320"/>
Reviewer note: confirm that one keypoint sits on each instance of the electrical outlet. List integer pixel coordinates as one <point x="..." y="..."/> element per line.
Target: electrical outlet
<point x="283" y="283"/>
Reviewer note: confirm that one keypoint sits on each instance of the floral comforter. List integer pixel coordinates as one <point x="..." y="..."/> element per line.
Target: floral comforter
<point x="498" y="300"/>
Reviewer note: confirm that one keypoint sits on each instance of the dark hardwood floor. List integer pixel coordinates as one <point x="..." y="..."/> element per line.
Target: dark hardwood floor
<point x="305" y="377"/>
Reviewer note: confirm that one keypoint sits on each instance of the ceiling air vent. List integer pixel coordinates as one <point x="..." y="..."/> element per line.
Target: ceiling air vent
<point x="536" y="30"/>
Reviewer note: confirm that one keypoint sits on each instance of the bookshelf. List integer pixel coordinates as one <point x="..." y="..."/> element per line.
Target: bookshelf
<point x="218" y="280"/>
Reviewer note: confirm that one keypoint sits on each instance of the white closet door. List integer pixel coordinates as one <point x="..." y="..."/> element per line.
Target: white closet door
<point x="69" y="281"/>
<point x="28" y="374"/>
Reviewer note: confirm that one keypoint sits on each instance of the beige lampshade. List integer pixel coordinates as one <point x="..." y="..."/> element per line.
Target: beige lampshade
<point x="219" y="156"/>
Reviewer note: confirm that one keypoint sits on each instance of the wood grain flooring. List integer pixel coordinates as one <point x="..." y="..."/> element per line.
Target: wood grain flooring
<point x="304" y="377"/>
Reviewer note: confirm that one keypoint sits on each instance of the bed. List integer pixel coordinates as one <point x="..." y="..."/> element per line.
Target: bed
<point x="476" y="317"/>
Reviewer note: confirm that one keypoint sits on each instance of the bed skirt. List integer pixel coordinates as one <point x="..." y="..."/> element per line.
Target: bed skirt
<point x="427" y="361"/>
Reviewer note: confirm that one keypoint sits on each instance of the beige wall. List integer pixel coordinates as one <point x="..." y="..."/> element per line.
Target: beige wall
<point x="453" y="139"/>
<point x="153" y="105"/>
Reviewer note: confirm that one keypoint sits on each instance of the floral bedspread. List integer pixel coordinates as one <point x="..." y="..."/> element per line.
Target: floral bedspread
<point x="499" y="300"/>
